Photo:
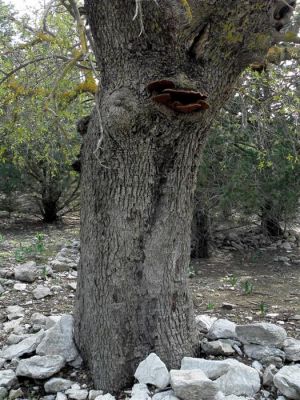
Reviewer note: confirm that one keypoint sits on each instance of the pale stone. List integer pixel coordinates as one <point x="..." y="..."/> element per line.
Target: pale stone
<point x="167" y="395"/>
<point x="258" y="352"/>
<point x="40" y="292"/>
<point x="55" y="385"/>
<point x="26" y="346"/>
<point x="59" y="340"/>
<point x="287" y="380"/>
<point x="7" y="378"/>
<point x="193" y="385"/>
<point x="213" y="369"/>
<point x="77" y="394"/>
<point x="204" y="322"/>
<point x="40" y="367"/>
<point x="217" y="347"/>
<point x="94" y="393"/>
<point x="222" y="329"/>
<point x="26" y="272"/>
<point x="61" y="396"/>
<point x="153" y="371"/>
<point x="261" y="333"/>
<point x="15" y="312"/>
<point x="140" y="392"/>
<point x="105" y="397"/>
<point x="291" y="348"/>
<point x="269" y="374"/>
<point x="239" y="380"/>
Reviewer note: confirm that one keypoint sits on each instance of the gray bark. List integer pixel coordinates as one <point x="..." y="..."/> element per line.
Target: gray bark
<point x="137" y="188"/>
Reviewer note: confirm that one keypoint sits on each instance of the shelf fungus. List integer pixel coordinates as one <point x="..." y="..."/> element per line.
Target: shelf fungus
<point x="178" y="99"/>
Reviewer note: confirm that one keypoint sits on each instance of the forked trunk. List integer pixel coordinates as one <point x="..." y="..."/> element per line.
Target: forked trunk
<point x="139" y="165"/>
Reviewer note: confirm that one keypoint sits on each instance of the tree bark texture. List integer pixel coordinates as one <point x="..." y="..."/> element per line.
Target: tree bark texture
<point x="139" y="166"/>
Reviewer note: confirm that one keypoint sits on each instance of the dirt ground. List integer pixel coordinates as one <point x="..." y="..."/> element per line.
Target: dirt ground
<point x="257" y="287"/>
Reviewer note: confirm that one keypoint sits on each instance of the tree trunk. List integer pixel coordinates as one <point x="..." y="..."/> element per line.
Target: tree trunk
<point x="200" y="233"/>
<point x="270" y="221"/>
<point x="139" y="164"/>
<point x="49" y="211"/>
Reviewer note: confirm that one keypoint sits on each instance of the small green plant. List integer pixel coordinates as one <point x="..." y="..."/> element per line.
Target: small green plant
<point x="210" y="306"/>
<point x="1" y="238"/>
<point x="191" y="272"/>
<point x="39" y="245"/>
<point x="36" y="247"/>
<point x="263" y="308"/>
<point x="247" y="287"/>
<point x="44" y="273"/>
<point x="233" y="280"/>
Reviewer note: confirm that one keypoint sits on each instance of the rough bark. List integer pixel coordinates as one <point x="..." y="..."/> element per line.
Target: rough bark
<point x="200" y="233"/>
<point x="138" y="179"/>
<point x="270" y="222"/>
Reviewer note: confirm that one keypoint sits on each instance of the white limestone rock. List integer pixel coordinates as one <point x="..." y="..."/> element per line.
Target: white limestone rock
<point x="105" y="397"/>
<point x="15" y="312"/>
<point x="204" y="322"/>
<point x="291" y="348"/>
<point x="55" y="385"/>
<point x="26" y="346"/>
<point x="40" y="367"/>
<point x="239" y="380"/>
<point x="217" y="347"/>
<point x="94" y="393"/>
<point x="61" y="396"/>
<point x="262" y="333"/>
<point x="259" y="352"/>
<point x="40" y="292"/>
<point x="39" y="319"/>
<point x="140" y="392"/>
<point x="268" y="376"/>
<point x="166" y="395"/>
<point x="193" y="385"/>
<point x="7" y="378"/>
<point x="153" y="371"/>
<point x="222" y="329"/>
<point x="77" y="394"/>
<point x="11" y="326"/>
<point x="59" y="340"/>
<point x="287" y="380"/>
<point x="26" y="272"/>
<point x="213" y="369"/>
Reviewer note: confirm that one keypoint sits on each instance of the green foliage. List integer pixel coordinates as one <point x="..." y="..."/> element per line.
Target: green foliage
<point x="41" y="103"/>
<point x="251" y="164"/>
<point x="24" y="252"/>
<point x="210" y="306"/>
<point x="263" y="308"/>
<point x="247" y="287"/>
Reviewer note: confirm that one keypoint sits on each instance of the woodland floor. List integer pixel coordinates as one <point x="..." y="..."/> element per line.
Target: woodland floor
<point x="275" y="295"/>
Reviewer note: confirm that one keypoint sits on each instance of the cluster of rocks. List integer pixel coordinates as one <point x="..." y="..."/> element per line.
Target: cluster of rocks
<point x="246" y="240"/>
<point x="67" y="258"/>
<point x="238" y="362"/>
<point x="32" y="277"/>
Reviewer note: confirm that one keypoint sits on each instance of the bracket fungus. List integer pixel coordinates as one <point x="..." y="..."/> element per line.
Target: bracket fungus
<point x="178" y="99"/>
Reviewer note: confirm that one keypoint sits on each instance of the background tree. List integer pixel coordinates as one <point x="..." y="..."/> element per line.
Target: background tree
<point x="47" y="84"/>
<point x="139" y="165"/>
<point x="250" y="166"/>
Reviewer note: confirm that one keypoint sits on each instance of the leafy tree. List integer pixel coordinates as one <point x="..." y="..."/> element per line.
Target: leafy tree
<point x="139" y="165"/>
<point x="251" y="162"/>
<point x="47" y="85"/>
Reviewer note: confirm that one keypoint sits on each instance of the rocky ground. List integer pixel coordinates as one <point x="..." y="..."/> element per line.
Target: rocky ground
<point x="252" y="283"/>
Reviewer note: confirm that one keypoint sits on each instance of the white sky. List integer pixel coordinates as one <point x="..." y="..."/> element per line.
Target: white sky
<point x="23" y="6"/>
